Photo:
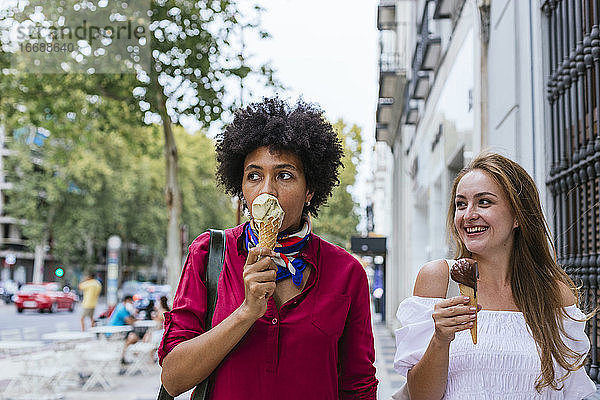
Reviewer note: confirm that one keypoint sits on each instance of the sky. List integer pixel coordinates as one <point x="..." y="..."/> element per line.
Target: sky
<point x="325" y="51"/>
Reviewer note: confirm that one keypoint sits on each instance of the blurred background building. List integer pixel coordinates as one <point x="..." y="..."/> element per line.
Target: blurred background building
<point x="17" y="260"/>
<point x="521" y="78"/>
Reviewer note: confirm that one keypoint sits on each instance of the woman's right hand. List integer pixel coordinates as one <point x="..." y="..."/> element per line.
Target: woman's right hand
<point x="259" y="280"/>
<point x="451" y="316"/>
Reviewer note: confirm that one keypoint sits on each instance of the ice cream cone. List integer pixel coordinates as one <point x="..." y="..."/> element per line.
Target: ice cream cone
<point x="268" y="217"/>
<point x="267" y="232"/>
<point x="470" y="293"/>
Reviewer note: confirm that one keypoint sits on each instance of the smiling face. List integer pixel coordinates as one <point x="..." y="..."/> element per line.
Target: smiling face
<point x="483" y="216"/>
<point x="280" y="174"/>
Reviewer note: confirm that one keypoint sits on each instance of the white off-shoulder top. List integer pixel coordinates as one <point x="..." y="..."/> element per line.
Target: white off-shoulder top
<point x="504" y="364"/>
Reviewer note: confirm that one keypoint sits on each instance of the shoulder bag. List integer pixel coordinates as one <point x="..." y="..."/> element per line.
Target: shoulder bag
<point x="216" y="256"/>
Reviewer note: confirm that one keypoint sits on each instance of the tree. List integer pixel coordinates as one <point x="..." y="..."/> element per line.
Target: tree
<point x="205" y="205"/>
<point x="52" y="177"/>
<point x="338" y="219"/>
<point x="193" y="56"/>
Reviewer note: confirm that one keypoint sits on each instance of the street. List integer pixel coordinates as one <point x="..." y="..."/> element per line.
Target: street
<point x="44" y="322"/>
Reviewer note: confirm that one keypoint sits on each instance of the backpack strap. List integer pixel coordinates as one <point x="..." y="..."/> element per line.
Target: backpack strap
<point x="216" y="258"/>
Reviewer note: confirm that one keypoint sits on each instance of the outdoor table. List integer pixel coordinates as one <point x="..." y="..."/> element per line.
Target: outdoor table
<point x="67" y="336"/>
<point x="109" y="330"/>
<point x="100" y="367"/>
<point x="19" y="346"/>
<point x="145" y="323"/>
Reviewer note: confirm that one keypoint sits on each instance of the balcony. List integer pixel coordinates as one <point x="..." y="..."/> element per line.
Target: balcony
<point x="426" y="58"/>
<point x="411" y="110"/>
<point x="412" y="116"/>
<point x="392" y="85"/>
<point x="386" y="15"/>
<point x="392" y="75"/>
<point x="448" y="9"/>
<point x="389" y="62"/>
<point x="428" y="50"/>
<point x="420" y="87"/>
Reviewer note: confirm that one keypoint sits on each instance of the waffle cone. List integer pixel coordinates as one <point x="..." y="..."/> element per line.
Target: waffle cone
<point x="469" y="292"/>
<point x="267" y="232"/>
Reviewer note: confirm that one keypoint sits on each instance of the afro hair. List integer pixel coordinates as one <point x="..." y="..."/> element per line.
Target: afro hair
<point x="273" y="123"/>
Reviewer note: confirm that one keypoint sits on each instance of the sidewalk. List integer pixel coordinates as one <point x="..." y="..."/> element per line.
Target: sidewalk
<point x="385" y="348"/>
<point x="145" y="387"/>
<point x="137" y="387"/>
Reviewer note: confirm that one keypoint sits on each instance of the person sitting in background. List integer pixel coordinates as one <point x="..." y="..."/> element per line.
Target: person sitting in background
<point x="154" y="335"/>
<point x="161" y="309"/>
<point x="124" y="314"/>
<point x="91" y="289"/>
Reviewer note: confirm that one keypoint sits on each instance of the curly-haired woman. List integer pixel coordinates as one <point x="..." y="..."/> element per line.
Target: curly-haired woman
<point x="310" y="337"/>
<point x="531" y="341"/>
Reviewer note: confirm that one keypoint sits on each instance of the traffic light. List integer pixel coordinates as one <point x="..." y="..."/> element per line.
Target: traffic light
<point x="59" y="272"/>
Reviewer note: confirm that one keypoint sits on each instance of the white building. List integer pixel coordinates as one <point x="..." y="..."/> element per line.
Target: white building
<point x="521" y="78"/>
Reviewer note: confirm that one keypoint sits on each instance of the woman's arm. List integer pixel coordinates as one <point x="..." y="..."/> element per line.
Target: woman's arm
<point x="428" y="378"/>
<point x="193" y="360"/>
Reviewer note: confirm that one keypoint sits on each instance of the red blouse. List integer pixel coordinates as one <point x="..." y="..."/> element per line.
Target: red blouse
<point x="318" y="345"/>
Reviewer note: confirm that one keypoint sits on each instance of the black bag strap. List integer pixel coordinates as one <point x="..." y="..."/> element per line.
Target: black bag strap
<point x="216" y="257"/>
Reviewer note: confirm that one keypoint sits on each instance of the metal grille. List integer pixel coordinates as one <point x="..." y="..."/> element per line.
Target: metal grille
<point x="573" y="93"/>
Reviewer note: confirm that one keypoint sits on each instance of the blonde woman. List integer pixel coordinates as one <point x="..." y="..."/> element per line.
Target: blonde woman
<point x="531" y="338"/>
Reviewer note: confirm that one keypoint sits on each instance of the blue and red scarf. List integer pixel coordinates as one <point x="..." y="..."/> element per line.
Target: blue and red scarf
<point x="288" y="246"/>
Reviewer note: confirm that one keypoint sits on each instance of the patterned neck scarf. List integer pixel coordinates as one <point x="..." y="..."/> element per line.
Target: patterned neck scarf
<point x="288" y="246"/>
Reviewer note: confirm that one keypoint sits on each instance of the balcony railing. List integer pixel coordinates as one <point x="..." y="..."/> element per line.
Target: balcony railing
<point x="391" y="62"/>
<point x="573" y="95"/>
<point x="426" y="56"/>
<point x="448" y="9"/>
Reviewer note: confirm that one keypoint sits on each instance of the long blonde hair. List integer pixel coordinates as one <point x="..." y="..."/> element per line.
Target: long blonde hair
<point x="535" y="280"/>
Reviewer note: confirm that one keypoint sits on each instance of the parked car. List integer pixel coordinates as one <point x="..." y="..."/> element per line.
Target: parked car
<point x="45" y="296"/>
<point x="7" y="290"/>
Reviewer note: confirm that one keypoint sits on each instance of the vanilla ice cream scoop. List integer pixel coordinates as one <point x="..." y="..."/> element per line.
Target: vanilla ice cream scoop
<point x="268" y="217"/>
<point x="266" y="206"/>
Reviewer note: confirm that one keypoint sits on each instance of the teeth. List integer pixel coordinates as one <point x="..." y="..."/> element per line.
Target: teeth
<point x="476" y="229"/>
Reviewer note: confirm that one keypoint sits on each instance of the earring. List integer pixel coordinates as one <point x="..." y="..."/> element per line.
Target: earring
<point x="245" y="208"/>
<point x="307" y="204"/>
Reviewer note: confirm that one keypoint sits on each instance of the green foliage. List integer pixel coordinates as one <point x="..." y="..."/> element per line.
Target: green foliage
<point x="101" y="172"/>
<point x="204" y="205"/>
<point x="109" y="186"/>
<point x="337" y="220"/>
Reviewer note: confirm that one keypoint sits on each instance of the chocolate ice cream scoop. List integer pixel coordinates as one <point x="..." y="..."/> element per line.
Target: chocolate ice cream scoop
<point x="466" y="272"/>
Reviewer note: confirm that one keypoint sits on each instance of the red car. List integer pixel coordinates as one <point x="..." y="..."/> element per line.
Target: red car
<point x="44" y="297"/>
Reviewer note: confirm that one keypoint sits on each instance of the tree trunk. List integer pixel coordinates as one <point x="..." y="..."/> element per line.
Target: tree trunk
<point x="89" y="254"/>
<point x="38" y="262"/>
<point x="172" y="195"/>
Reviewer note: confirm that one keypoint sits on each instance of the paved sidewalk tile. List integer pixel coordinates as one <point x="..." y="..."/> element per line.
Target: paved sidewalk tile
<point x="385" y="348"/>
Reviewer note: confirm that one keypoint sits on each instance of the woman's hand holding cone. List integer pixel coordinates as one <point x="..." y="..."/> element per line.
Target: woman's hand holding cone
<point x="451" y="316"/>
<point x="259" y="280"/>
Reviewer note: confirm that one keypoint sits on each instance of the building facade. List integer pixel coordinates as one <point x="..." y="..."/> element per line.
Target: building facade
<point x="17" y="262"/>
<point x="521" y="78"/>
